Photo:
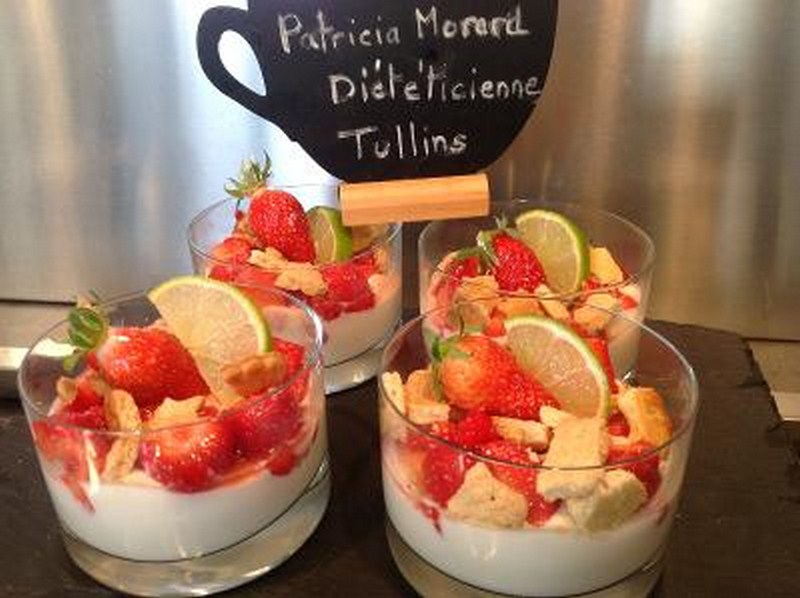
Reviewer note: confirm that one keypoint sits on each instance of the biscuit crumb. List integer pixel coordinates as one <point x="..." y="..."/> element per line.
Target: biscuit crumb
<point x="523" y="431"/>
<point x="484" y="500"/>
<point x="576" y="442"/>
<point x="647" y="417"/>
<point x="256" y="373"/>
<point x="618" y="496"/>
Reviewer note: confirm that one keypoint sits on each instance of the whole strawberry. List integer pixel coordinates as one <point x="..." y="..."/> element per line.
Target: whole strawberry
<point x="278" y="220"/>
<point x="477" y="372"/>
<point x="275" y="217"/>
<point x="516" y="266"/>
<point x="149" y="363"/>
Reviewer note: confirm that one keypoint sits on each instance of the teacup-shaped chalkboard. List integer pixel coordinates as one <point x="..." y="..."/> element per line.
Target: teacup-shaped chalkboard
<point x="392" y="89"/>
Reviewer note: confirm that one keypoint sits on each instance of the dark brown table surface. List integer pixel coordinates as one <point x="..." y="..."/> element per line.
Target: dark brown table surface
<point x="737" y="532"/>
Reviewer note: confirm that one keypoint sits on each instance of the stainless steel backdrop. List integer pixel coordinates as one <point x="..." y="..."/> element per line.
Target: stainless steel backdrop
<point x="682" y="115"/>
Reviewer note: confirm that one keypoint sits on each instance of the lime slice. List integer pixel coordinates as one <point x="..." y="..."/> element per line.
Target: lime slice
<point x="562" y="362"/>
<point x="332" y="239"/>
<point x="364" y="235"/>
<point x="216" y="322"/>
<point x="484" y="241"/>
<point x="560" y="245"/>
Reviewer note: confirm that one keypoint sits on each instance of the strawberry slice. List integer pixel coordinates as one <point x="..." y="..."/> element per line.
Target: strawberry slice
<point x="516" y="265"/>
<point x="521" y="479"/>
<point x="599" y="346"/>
<point x="149" y="363"/>
<point x="522" y="398"/>
<point x="443" y="470"/>
<point x="232" y="250"/>
<point x="474" y="429"/>
<point x="188" y="458"/>
<point x="456" y="270"/>
<point x="617" y="424"/>
<point x="265" y="424"/>
<point x="646" y="469"/>
<point x="64" y="446"/>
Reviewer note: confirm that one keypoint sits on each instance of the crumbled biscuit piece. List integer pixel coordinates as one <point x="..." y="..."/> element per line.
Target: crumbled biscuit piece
<point x="122" y="415"/>
<point x="474" y="300"/>
<point x="646" y="415"/>
<point x="552" y="417"/>
<point x="618" y="496"/>
<point x="604" y="267"/>
<point x="308" y="281"/>
<point x="269" y="259"/>
<point x="120" y="459"/>
<point x="633" y="291"/>
<point x="256" y="373"/>
<point x="121" y="412"/>
<point x="519" y="306"/>
<point x="393" y="386"/>
<point x="422" y="406"/>
<point x="66" y="389"/>
<point x="292" y="276"/>
<point x="576" y="442"/>
<point x="175" y="413"/>
<point x="552" y="307"/>
<point x="523" y="431"/>
<point x="596" y="319"/>
<point x="484" y="500"/>
<point x="381" y="258"/>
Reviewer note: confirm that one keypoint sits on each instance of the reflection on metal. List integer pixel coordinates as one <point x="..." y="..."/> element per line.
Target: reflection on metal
<point x="680" y="115"/>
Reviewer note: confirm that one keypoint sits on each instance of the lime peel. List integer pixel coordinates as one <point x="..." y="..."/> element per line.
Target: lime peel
<point x="559" y="244"/>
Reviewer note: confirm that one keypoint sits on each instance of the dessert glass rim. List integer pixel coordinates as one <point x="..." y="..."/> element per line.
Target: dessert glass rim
<point x="312" y="357"/>
<point x="693" y="391"/>
<point x="386" y="237"/>
<point x="554" y="204"/>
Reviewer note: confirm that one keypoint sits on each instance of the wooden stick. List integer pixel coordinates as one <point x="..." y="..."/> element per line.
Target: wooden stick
<point x="436" y="198"/>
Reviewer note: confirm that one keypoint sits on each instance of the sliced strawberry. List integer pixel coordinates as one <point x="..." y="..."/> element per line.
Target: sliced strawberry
<point x="278" y="220"/>
<point x="223" y="273"/>
<point x="232" y="250"/>
<point x="443" y="470"/>
<point x="366" y="264"/>
<point x="149" y="363"/>
<point x="264" y="424"/>
<point x="600" y="348"/>
<point x="521" y="397"/>
<point x="346" y="283"/>
<point x="626" y="301"/>
<point x="456" y="270"/>
<point x="516" y="265"/>
<point x="282" y="462"/>
<point x="476" y="428"/>
<point x="644" y="469"/>
<point x="87" y="394"/>
<point x="188" y="458"/>
<point x="326" y="308"/>
<point x="64" y="447"/>
<point x="495" y="327"/>
<point x="92" y="417"/>
<point x="617" y="424"/>
<point x="521" y="479"/>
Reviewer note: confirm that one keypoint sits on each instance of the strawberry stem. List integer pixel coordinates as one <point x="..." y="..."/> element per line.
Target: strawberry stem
<point x="253" y="175"/>
<point x="88" y="329"/>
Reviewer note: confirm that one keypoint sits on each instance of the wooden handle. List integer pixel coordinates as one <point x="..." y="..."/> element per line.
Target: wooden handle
<point x="436" y="198"/>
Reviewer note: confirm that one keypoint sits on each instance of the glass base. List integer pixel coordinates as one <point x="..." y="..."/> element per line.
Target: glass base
<point x="358" y="369"/>
<point x="429" y="581"/>
<point x="220" y="570"/>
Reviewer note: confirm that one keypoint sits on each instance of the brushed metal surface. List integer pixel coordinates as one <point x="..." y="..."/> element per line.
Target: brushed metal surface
<point x="679" y="114"/>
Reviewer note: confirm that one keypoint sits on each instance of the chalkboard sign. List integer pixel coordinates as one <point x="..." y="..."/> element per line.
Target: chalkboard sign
<point x="390" y="89"/>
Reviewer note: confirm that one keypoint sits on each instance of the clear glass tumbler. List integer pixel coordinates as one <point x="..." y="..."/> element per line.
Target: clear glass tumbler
<point x="356" y="328"/>
<point x="525" y="505"/>
<point x="218" y="525"/>
<point x="443" y="283"/>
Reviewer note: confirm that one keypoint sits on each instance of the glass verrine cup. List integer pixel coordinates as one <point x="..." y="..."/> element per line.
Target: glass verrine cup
<point x="359" y="299"/>
<point x="494" y="489"/>
<point x="621" y="257"/>
<point x="140" y="516"/>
